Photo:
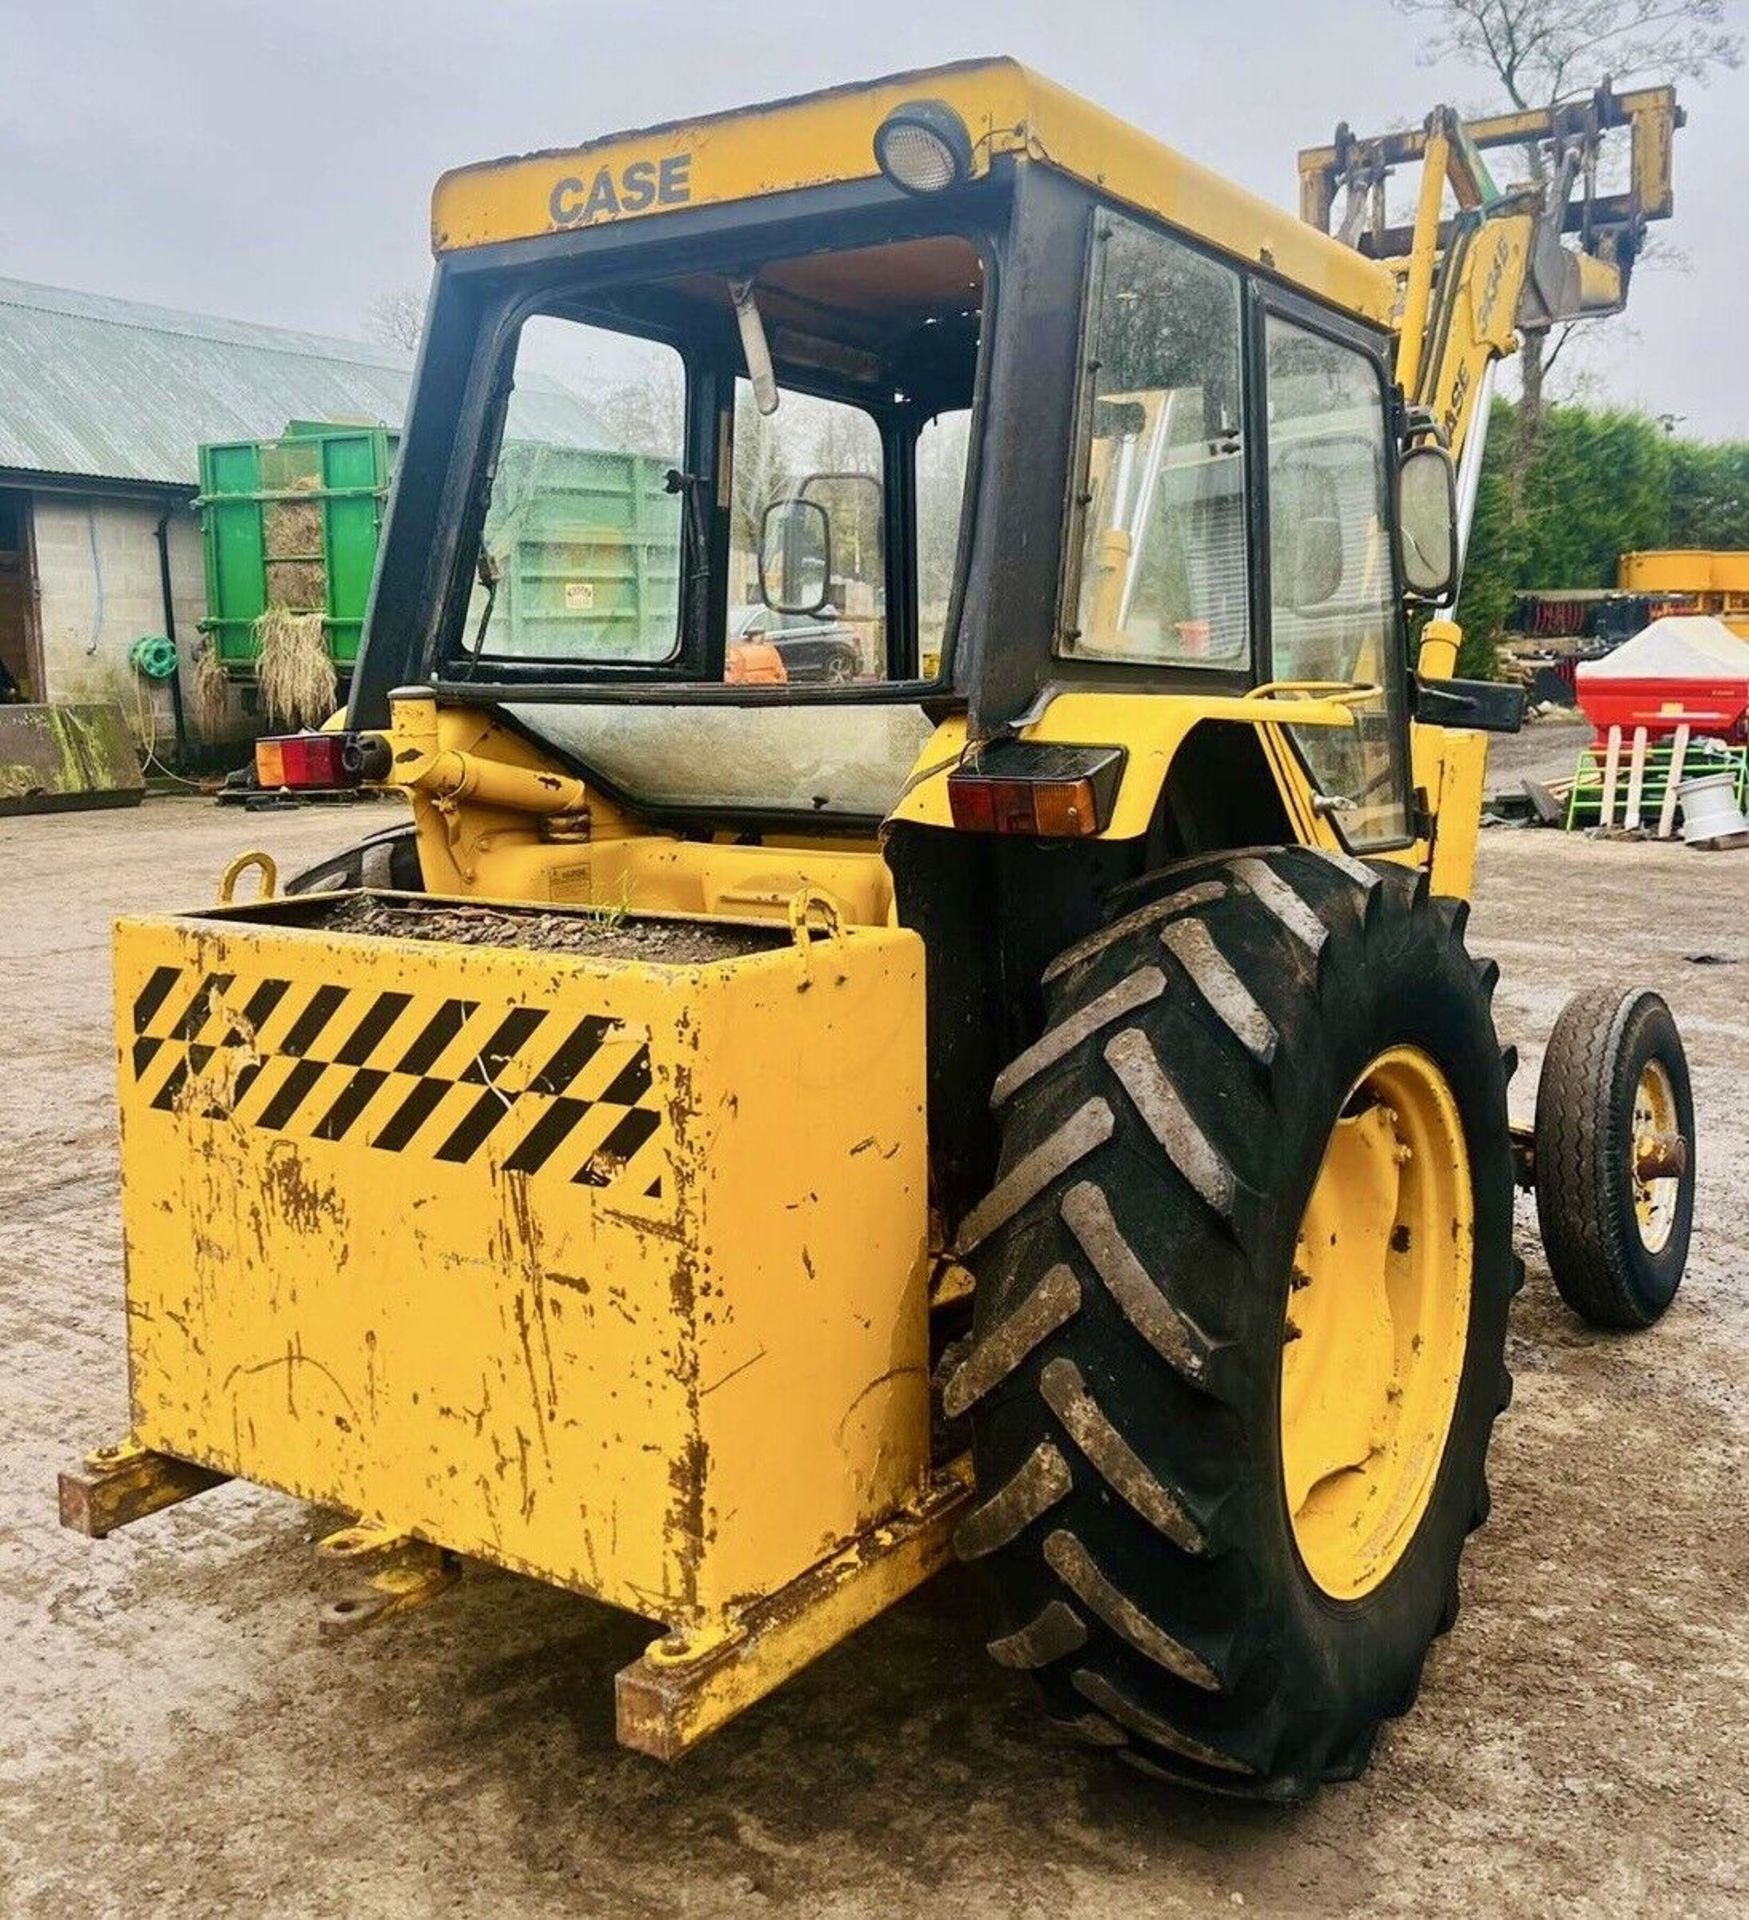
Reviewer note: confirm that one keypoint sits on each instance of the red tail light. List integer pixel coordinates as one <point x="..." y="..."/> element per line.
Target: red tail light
<point x="306" y="760"/>
<point x="1026" y="787"/>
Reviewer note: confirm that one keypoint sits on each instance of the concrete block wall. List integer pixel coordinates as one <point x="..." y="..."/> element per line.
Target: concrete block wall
<point x="99" y="590"/>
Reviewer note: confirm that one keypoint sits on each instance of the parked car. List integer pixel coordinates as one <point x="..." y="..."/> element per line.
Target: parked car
<point x="812" y="646"/>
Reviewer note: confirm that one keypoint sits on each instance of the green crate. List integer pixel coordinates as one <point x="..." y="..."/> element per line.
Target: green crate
<point x="588" y="540"/>
<point x="295" y="521"/>
<point x="1585" y="803"/>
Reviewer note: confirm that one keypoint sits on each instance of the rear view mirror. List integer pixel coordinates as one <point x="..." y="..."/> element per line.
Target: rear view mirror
<point x="1305" y="528"/>
<point x="1317" y="563"/>
<point x="795" y="556"/>
<point x="1427" y="522"/>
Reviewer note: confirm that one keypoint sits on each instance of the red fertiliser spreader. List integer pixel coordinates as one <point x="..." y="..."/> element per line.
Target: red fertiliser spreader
<point x="1685" y="671"/>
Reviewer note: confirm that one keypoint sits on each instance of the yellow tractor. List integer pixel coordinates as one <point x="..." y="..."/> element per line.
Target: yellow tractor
<point x="924" y="1001"/>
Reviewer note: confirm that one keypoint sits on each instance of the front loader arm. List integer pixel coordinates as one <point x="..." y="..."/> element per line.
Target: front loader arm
<point x="1480" y="267"/>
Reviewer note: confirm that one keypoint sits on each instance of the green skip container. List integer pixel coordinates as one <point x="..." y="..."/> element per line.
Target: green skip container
<point x="588" y="540"/>
<point x="292" y="522"/>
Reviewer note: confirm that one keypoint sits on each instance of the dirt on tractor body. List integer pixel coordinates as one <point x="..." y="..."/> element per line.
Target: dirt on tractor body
<point x="603" y="935"/>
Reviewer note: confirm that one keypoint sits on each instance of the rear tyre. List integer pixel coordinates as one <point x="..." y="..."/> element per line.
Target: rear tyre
<point x="1615" y="1156"/>
<point x="1255" y="1176"/>
<point x="388" y="861"/>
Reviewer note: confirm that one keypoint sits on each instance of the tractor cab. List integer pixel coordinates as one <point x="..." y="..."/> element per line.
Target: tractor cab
<point x="960" y="429"/>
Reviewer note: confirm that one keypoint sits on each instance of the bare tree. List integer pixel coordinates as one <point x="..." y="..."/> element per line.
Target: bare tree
<point x="1538" y="52"/>
<point x="1541" y="51"/>
<point x="396" y="318"/>
<point x="646" y="413"/>
<point x="761" y="474"/>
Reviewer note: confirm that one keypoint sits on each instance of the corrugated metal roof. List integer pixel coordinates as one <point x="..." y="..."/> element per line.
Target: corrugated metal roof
<point x="111" y="389"/>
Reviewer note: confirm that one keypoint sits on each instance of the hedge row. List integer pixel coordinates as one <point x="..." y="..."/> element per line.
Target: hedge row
<point x="1597" y="484"/>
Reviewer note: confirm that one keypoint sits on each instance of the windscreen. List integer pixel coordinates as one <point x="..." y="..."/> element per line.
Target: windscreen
<point x="834" y="475"/>
<point x="824" y="762"/>
<point x="751" y="480"/>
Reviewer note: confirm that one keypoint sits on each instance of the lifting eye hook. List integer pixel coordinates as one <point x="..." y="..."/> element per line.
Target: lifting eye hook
<point x="812" y="911"/>
<point x="234" y="872"/>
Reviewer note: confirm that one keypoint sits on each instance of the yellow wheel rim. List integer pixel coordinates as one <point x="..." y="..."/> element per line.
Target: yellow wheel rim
<point x="1377" y="1322"/>
<point x="1656" y="1194"/>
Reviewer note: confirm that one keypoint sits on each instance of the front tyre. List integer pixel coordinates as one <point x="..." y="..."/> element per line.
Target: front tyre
<point x="388" y="861"/>
<point x="1241" y="1312"/>
<point x="1615" y="1156"/>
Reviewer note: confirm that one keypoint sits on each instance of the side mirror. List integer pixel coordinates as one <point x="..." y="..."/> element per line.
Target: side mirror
<point x="1427" y="523"/>
<point x="1317" y="563"/>
<point x="1119" y="420"/>
<point x="795" y="556"/>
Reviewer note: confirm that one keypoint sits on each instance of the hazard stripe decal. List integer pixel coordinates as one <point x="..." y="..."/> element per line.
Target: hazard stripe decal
<point x="367" y="1036"/>
<point x="632" y="1081"/>
<point x="411" y="1115"/>
<point x="260" y="1004"/>
<point x="471" y="1135"/>
<point x="574" y="1055"/>
<point x="514" y="1030"/>
<point x="546" y="1136"/>
<point x="200" y="1007"/>
<point x="570" y="1095"/>
<point x="425" y="1052"/>
<point x="355" y="1096"/>
<point x="285" y="1103"/>
<point x="166" y="1099"/>
<point x="153" y="995"/>
<point x="617" y="1149"/>
<point x="307" y="1028"/>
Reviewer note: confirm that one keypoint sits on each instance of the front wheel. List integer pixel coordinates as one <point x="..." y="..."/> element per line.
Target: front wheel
<point x="1241" y="1312"/>
<point x="1615" y="1156"/>
<point x="388" y="860"/>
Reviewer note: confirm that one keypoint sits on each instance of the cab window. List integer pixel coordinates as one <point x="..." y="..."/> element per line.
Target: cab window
<point x="579" y="556"/>
<point x="943" y="452"/>
<point x="1334" y="610"/>
<point x="601" y="550"/>
<point x="807" y="548"/>
<point x="1159" y="529"/>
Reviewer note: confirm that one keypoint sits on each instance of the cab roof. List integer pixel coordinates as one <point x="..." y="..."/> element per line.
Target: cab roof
<point x="827" y="138"/>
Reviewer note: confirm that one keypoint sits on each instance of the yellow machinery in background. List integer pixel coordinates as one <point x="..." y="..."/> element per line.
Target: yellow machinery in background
<point x="1699" y="581"/>
<point x="1033" y="1096"/>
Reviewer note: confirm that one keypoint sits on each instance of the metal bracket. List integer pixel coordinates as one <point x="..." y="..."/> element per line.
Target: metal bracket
<point x="1483" y="706"/>
<point x="401" y="1573"/>
<point x="115" y="1486"/>
<point x="685" y="1688"/>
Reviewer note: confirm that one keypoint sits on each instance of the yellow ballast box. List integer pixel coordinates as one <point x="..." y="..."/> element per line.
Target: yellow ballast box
<point x="590" y="1245"/>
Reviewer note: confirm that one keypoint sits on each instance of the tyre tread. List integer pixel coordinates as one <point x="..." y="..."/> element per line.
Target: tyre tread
<point x="1145" y="1536"/>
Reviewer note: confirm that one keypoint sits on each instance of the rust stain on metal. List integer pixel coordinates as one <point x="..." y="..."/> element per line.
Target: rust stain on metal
<point x="304" y="1203"/>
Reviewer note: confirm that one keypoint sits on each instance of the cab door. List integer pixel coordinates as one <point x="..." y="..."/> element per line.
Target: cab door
<point x="1333" y="602"/>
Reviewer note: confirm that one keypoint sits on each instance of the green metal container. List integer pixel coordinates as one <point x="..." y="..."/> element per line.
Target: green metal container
<point x="292" y="522"/>
<point x="587" y="540"/>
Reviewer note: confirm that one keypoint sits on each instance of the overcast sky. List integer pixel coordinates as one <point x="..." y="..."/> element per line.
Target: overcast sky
<point x="273" y="161"/>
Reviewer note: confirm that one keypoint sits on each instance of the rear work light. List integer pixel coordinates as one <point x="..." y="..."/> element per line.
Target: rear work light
<point x="1027" y="787"/>
<point x="301" y="761"/>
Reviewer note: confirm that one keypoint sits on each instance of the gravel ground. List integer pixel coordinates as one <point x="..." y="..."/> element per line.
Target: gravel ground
<point x="1544" y="749"/>
<point x="174" y="1740"/>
